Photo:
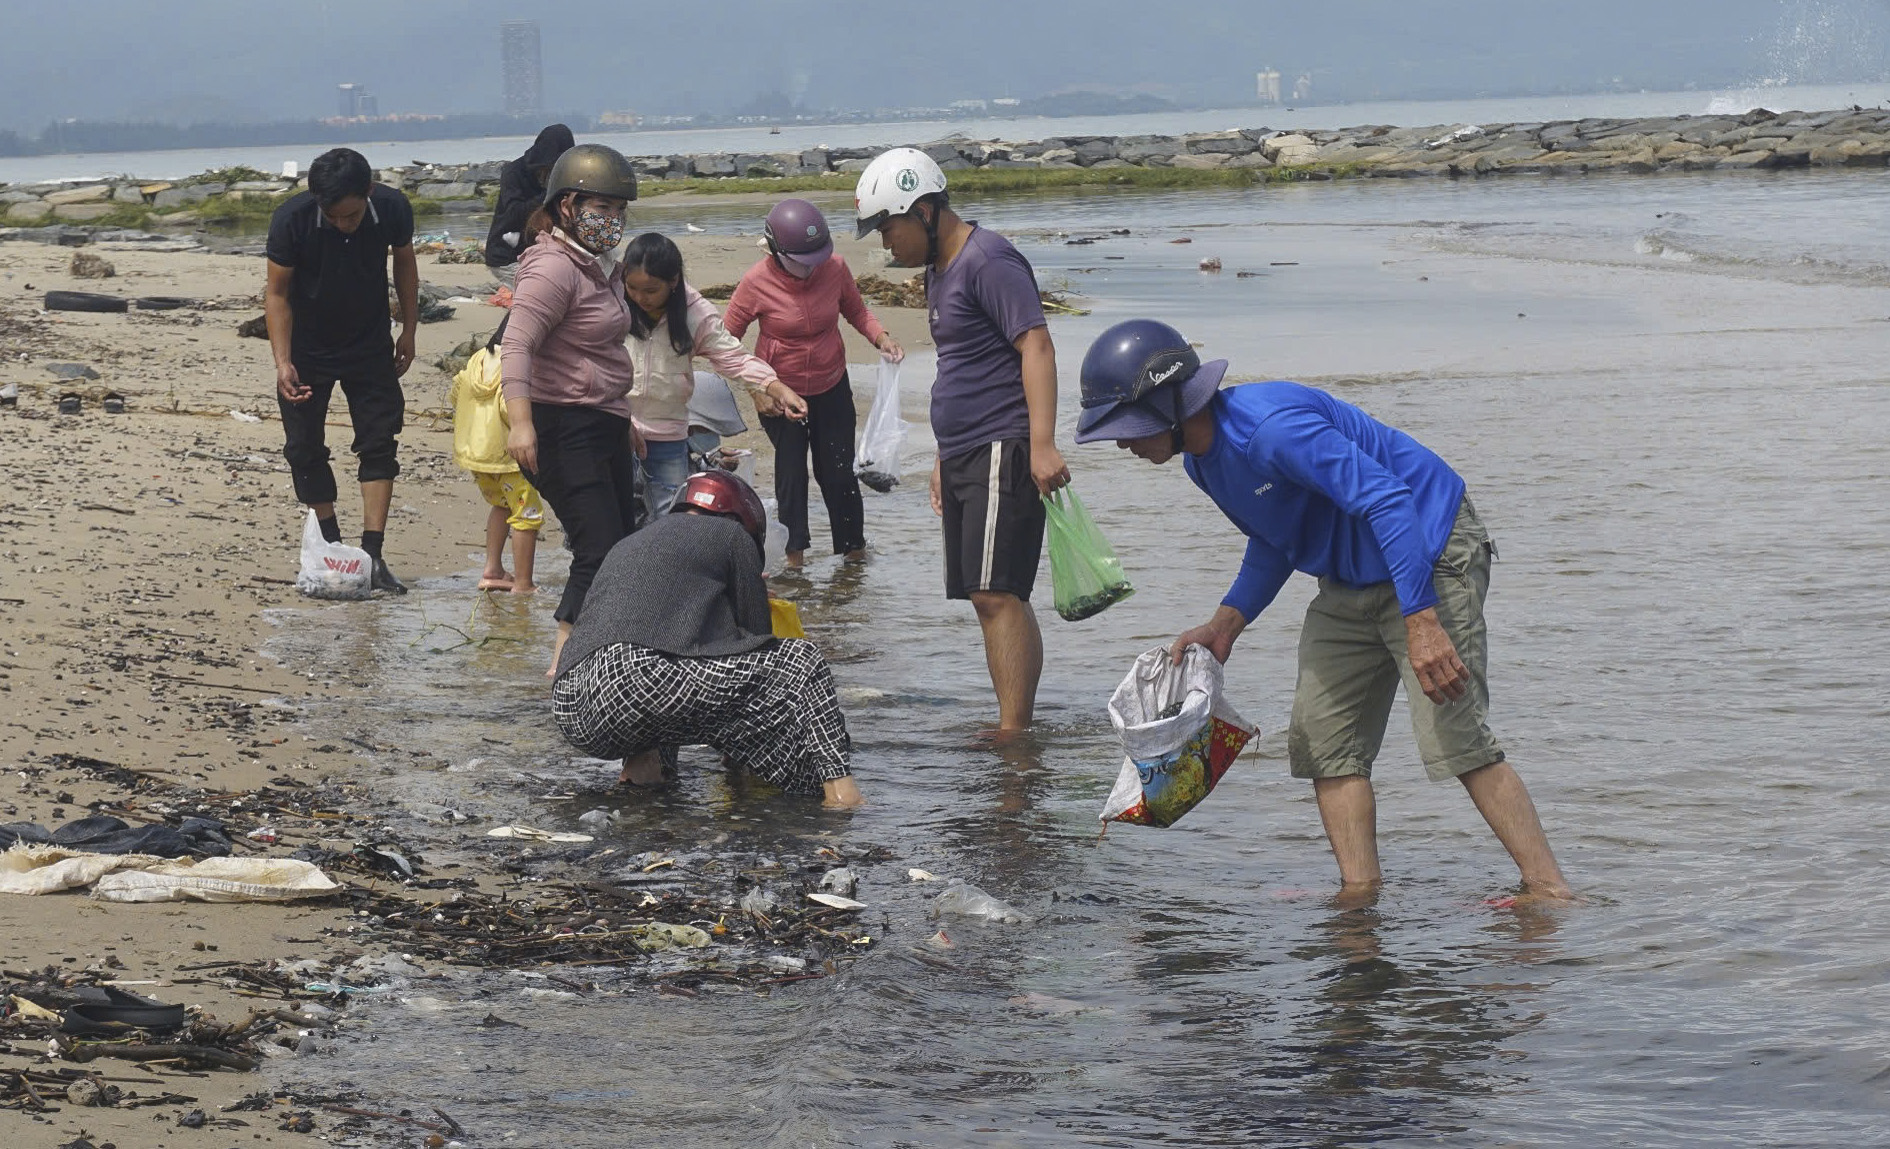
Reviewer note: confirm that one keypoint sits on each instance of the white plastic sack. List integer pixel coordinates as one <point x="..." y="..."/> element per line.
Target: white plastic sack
<point x="331" y="570"/>
<point x="50" y="869"/>
<point x="217" y="880"/>
<point x="1178" y="736"/>
<point x="774" y="543"/>
<point x="877" y="463"/>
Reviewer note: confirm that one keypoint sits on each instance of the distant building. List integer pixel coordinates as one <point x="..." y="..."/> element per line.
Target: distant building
<point x="1006" y="102"/>
<point x="1302" y="89"/>
<point x="522" y="67"/>
<point x="969" y="105"/>
<point x="618" y="119"/>
<point x="350" y="96"/>
<point x="368" y="107"/>
<point x="1268" y="84"/>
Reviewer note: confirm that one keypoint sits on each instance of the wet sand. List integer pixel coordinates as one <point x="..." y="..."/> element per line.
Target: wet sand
<point x="141" y="551"/>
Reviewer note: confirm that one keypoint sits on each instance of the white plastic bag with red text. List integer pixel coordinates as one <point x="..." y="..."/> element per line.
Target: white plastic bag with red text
<point x="332" y="570"/>
<point x="1179" y="735"/>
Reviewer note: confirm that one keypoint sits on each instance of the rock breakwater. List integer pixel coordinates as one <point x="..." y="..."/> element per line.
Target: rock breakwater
<point x="1760" y="139"/>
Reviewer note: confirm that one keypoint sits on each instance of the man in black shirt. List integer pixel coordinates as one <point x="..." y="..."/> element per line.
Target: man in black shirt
<point x="328" y="323"/>
<point x="521" y="189"/>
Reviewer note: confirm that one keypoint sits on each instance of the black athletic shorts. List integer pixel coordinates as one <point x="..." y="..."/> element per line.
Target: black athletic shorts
<point x="993" y="520"/>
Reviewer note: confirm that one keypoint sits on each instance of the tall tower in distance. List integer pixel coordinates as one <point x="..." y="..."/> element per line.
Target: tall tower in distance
<point x="522" y="68"/>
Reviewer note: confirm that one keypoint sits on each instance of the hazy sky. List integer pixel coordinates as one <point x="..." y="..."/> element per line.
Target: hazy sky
<point x="266" y="59"/>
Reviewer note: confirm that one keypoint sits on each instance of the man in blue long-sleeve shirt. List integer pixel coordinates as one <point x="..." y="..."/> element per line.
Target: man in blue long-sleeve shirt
<point x="1403" y="565"/>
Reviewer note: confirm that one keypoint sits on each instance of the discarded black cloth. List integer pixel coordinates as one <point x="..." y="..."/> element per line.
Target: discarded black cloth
<point x="104" y="834"/>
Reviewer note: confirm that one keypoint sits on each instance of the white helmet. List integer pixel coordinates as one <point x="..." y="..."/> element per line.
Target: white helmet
<point x="891" y="184"/>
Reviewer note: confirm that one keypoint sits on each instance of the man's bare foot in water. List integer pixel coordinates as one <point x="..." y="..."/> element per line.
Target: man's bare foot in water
<point x="645" y="769"/>
<point x="496" y="580"/>
<point x="524" y="588"/>
<point x="841" y="794"/>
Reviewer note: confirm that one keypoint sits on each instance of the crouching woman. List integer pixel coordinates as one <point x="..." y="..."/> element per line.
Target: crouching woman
<point x="675" y="647"/>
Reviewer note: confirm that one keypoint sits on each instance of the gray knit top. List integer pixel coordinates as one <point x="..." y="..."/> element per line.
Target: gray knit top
<point x="688" y="585"/>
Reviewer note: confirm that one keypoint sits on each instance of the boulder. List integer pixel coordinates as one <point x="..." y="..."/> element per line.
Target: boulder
<point x="197" y="193"/>
<point x="29" y="211"/>
<point x="680" y="167"/>
<point x="941" y="151"/>
<point x="1142" y="149"/>
<point x="1093" y="151"/>
<point x="1065" y="157"/>
<point x="127" y="193"/>
<point x="765" y="166"/>
<point x="814" y="158"/>
<point x="453" y="190"/>
<point x="1745" y="160"/>
<point x="177" y="219"/>
<point x="1218" y="143"/>
<point x="858" y="164"/>
<point x="955" y="164"/>
<point x="716" y="165"/>
<point x="83" y="211"/>
<point x="1254" y="159"/>
<point x="1112" y="162"/>
<point x="489" y="172"/>
<point x="171" y="197"/>
<point x="269" y="187"/>
<point x="1290" y="150"/>
<point x="1007" y="164"/>
<point x="984" y="152"/>
<point x="1202" y="163"/>
<point x="92" y="194"/>
<point x="18" y="197"/>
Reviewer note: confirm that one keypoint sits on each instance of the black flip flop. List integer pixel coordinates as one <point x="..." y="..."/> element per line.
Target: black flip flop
<point x="114" y="403"/>
<point x="107" y="1009"/>
<point x="71" y="403"/>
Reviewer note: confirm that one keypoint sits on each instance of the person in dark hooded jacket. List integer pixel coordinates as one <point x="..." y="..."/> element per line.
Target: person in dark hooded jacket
<point x="522" y="188"/>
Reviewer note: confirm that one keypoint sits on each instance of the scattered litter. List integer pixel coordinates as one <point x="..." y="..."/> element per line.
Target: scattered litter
<point x="840" y="881"/>
<point x="246" y="417"/>
<point x="217" y="880"/>
<point x="1211" y="263"/>
<point x="836" y="901"/>
<point x="971" y="902"/>
<point x="666" y="936"/>
<point x="921" y="875"/>
<point x="534" y="834"/>
<point x="329" y="570"/>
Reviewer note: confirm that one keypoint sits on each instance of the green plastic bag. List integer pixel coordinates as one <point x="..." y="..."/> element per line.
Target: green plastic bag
<point x="1084" y="572"/>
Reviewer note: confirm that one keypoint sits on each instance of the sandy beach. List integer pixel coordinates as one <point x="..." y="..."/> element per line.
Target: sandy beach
<point x="141" y="551"/>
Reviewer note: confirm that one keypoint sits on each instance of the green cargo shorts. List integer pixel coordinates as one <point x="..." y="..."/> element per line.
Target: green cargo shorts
<point x="1352" y="657"/>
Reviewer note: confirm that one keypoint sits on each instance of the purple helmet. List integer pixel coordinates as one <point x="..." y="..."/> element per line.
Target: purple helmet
<point x="797" y="234"/>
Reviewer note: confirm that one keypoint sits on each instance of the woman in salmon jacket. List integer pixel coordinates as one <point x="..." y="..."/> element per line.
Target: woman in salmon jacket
<point x="671" y="324"/>
<point x="565" y="372"/>
<point x="799" y="293"/>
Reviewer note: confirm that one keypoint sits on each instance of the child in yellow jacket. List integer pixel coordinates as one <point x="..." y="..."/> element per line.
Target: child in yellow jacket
<point x="479" y="429"/>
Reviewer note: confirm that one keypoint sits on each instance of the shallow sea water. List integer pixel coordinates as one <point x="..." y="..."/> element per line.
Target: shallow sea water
<point x="1683" y="463"/>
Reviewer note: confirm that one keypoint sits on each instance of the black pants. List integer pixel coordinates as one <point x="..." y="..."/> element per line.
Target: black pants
<point x="376" y="406"/>
<point x="829" y="431"/>
<point x="587" y="471"/>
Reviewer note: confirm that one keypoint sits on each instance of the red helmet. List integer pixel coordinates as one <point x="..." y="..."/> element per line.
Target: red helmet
<point x="724" y="493"/>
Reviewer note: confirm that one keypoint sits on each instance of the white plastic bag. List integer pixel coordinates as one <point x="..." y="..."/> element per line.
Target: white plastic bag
<point x="331" y="570"/>
<point x="1178" y="736"/>
<point x="774" y="543"/>
<point x="877" y="463"/>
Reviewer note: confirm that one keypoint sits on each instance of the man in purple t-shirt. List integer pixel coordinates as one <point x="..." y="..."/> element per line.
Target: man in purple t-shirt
<point x="994" y="410"/>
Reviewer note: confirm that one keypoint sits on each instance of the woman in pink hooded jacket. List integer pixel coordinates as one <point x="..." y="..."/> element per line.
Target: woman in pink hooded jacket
<point x="564" y="372"/>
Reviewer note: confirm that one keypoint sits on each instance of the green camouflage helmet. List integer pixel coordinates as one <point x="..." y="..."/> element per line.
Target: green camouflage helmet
<point x="592" y="169"/>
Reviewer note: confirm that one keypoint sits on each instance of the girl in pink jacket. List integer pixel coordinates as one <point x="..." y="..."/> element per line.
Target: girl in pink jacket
<point x="670" y="325"/>
<point x="800" y="292"/>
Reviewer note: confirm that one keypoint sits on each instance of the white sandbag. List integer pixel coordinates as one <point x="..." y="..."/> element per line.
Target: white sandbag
<point x="217" y="880"/>
<point x="332" y="570"/>
<point x="50" y="869"/>
<point x="1178" y="736"/>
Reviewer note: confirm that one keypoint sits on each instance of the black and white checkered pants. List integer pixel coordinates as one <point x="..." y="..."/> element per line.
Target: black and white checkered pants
<point x="772" y="712"/>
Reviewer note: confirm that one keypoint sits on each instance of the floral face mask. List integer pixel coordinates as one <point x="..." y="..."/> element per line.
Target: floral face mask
<point x="598" y="232"/>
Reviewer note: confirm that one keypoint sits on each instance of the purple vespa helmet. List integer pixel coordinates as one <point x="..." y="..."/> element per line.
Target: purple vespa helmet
<point x="797" y="235"/>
